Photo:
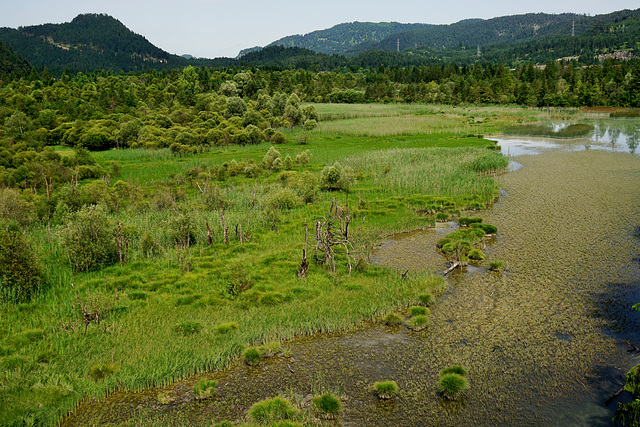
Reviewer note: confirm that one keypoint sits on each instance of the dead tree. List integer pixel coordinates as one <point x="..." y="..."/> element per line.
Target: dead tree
<point x="209" y="235"/>
<point x="304" y="265"/>
<point x="224" y="226"/>
<point x="332" y="236"/>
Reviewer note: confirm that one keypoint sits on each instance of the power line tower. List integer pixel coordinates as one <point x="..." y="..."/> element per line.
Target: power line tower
<point x="479" y="53"/>
<point x="398" y="45"/>
<point x="573" y="28"/>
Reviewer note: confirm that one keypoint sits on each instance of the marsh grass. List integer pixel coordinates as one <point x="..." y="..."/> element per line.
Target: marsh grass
<point x="386" y="389"/>
<point x="166" y="313"/>
<point x="327" y="406"/>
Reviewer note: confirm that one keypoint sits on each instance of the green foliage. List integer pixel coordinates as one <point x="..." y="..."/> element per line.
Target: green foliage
<point x="88" y="238"/>
<point x="487" y="228"/>
<point x="425" y="299"/>
<point x="182" y="230"/>
<point x="284" y="199"/>
<point x="252" y="356"/>
<point x="327" y="405"/>
<point x="336" y="177"/>
<point x="20" y="271"/>
<point x="418" y="323"/>
<point x="452" y="386"/>
<point x="204" y="388"/>
<point x="476" y="255"/>
<point x="632" y="384"/>
<point x="225" y="328"/>
<point x="101" y="371"/>
<point x="392" y="319"/>
<point x="272" y="411"/>
<point x="269" y="158"/>
<point x="418" y="311"/>
<point x="496" y="266"/>
<point x="455" y="369"/>
<point x="386" y="389"/>
<point x="187" y="328"/>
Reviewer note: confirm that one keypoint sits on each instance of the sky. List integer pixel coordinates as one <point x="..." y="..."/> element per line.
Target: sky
<point x="221" y="28"/>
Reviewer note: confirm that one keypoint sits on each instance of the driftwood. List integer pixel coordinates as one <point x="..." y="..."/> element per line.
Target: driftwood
<point x="609" y="400"/>
<point x="453" y="266"/>
<point x="632" y="348"/>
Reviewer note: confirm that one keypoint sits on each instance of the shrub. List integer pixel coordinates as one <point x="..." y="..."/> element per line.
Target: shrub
<point x="225" y="328"/>
<point x="20" y="274"/>
<point x="270" y="411"/>
<point x="418" y="311"/>
<point x="336" y="177"/>
<point x="307" y="187"/>
<point x="187" y="328"/>
<point x="182" y="231"/>
<point x="418" y="323"/>
<point x="310" y="124"/>
<point x="452" y="386"/>
<point x="205" y="388"/>
<point x="392" y="319"/>
<point x="386" y="389"/>
<point x="89" y="238"/>
<point x="148" y="245"/>
<point x="455" y="369"/>
<point x="327" y="405"/>
<point x="496" y="266"/>
<point x="487" y="228"/>
<point x="270" y="349"/>
<point x="284" y="198"/>
<point x="101" y="371"/>
<point x="476" y="254"/>
<point x="303" y="158"/>
<point x="278" y="138"/>
<point x="270" y="157"/>
<point x="442" y="216"/>
<point x="252" y="356"/>
<point x="425" y="299"/>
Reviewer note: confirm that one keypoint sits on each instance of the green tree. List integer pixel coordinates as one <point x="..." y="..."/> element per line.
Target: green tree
<point x="20" y="273"/>
<point x="89" y="238"/>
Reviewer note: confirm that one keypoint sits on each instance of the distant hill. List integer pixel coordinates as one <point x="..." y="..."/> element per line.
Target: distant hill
<point x="88" y="42"/>
<point x="12" y="63"/>
<point x="343" y="37"/>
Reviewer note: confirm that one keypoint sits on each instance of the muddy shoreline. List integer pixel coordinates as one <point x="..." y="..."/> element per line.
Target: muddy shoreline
<point x="543" y="342"/>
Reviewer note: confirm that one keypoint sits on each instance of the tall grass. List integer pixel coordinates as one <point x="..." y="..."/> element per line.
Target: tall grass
<point x="251" y="284"/>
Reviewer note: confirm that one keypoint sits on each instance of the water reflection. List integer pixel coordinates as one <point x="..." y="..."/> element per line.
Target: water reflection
<point x="617" y="135"/>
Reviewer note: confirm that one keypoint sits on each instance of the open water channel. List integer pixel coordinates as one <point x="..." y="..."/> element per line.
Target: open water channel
<point x="544" y="343"/>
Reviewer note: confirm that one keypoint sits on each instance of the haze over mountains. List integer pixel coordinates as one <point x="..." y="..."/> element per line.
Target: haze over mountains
<point x="97" y="41"/>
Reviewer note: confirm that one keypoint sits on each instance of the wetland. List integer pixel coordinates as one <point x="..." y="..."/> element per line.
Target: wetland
<point x="543" y="342"/>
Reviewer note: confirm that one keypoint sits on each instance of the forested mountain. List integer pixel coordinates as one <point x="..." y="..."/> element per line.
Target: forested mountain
<point x="344" y="37"/>
<point x="100" y="42"/>
<point x="88" y="42"/>
<point x="11" y="63"/>
<point x="471" y="33"/>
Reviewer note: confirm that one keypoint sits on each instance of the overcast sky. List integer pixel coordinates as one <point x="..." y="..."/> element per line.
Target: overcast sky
<point x="215" y="28"/>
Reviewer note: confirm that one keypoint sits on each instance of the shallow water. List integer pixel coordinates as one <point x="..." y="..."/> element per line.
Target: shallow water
<point x="543" y="342"/>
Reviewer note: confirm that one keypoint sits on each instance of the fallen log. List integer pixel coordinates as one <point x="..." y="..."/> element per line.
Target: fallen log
<point x="609" y="400"/>
<point x="452" y="267"/>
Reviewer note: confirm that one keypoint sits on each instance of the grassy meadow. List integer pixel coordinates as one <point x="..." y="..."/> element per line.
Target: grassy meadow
<point x="176" y="309"/>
